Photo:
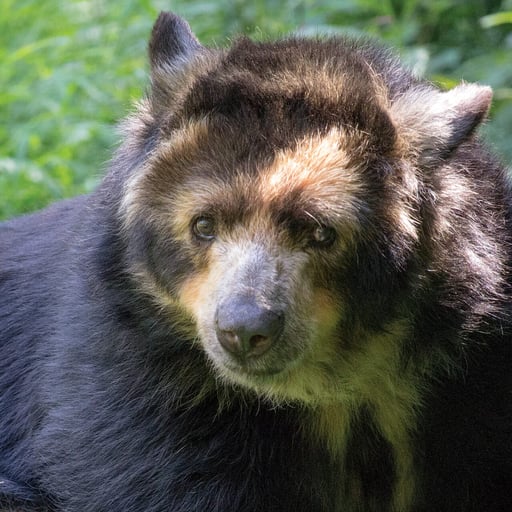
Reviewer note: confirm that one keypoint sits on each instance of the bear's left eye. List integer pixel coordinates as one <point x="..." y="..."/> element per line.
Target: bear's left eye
<point x="204" y="228"/>
<point x="323" y="236"/>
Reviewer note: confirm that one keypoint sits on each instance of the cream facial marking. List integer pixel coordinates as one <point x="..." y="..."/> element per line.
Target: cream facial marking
<point x="321" y="168"/>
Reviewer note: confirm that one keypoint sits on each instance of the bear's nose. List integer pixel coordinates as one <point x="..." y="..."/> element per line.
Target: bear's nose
<point x="246" y="329"/>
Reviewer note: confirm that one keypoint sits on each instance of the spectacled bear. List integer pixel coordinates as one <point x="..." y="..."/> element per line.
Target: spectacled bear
<point x="290" y="293"/>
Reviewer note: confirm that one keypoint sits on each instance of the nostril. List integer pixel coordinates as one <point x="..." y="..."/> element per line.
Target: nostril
<point x="229" y="340"/>
<point x="259" y="344"/>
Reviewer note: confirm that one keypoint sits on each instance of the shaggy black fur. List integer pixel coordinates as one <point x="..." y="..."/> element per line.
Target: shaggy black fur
<point x="107" y="404"/>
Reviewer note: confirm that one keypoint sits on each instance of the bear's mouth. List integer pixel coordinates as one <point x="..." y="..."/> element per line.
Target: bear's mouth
<point x="256" y="369"/>
<point x="269" y="368"/>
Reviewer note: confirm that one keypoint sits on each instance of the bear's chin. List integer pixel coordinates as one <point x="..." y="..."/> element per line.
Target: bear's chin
<point x="259" y="370"/>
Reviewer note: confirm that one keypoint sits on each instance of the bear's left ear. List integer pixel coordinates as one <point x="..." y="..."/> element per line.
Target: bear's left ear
<point x="435" y="123"/>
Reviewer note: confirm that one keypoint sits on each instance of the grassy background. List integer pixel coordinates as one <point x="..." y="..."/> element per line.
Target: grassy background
<point x="69" y="70"/>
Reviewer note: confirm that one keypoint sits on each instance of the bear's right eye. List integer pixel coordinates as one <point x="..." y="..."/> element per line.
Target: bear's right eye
<point x="204" y="228"/>
<point x="323" y="236"/>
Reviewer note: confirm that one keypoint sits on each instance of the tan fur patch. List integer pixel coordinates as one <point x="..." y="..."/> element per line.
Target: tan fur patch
<point x="331" y="424"/>
<point x="193" y="292"/>
<point x="393" y="394"/>
<point x="319" y="164"/>
<point x="325" y="312"/>
<point x="403" y="212"/>
<point x="323" y="82"/>
<point x="324" y="171"/>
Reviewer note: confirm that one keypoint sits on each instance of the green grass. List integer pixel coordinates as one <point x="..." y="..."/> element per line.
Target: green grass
<point x="70" y="70"/>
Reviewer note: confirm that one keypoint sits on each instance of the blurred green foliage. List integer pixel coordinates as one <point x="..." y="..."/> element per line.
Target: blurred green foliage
<point x="70" y="70"/>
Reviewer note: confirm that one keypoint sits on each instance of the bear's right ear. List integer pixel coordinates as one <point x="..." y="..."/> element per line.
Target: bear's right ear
<point x="171" y="47"/>
<point x="172" y="42"/>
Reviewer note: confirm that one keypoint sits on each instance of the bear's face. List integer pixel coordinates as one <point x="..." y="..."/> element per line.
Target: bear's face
<point x="251" y="251"/>
<point x="276" y="211"/>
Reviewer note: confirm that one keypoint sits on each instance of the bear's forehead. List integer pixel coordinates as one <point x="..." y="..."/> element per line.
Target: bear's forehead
<point x="286" y="90"/>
